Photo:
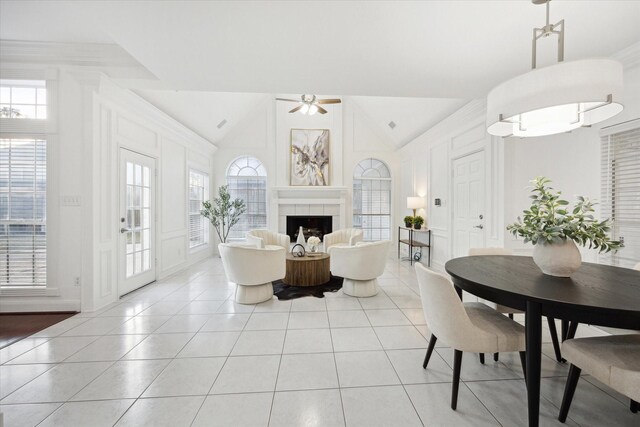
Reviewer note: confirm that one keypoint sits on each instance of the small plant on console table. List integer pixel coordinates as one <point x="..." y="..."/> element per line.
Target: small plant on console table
<point x="417" y="222"/>
<point x="408" y="221"/>
<point x="223" y="213"/>
<point x="554" y="229"/>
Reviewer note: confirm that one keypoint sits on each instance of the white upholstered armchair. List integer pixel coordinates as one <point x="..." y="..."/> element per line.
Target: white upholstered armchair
<point x="252" y="270"/>
<point x="342" y="237"/>
<point x="269" y="238"/>
<point x="360" y="266"/>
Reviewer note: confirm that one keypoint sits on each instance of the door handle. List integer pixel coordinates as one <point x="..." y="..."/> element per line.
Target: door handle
<point x="479" y="226"/>
<point x="124" y="230"/>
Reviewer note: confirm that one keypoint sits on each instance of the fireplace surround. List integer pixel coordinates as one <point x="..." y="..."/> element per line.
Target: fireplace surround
<point x="312" y="225"/>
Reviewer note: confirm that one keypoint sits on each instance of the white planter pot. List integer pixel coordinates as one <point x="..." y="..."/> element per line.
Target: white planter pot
<point x="557" y="259"/>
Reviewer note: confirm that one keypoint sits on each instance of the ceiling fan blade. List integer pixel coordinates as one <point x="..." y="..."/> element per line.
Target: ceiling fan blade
<point x="329" y="101"/>
<point x="289" y="100"/>
<point x="321" y="110"/>
<point x="297" y="108"/>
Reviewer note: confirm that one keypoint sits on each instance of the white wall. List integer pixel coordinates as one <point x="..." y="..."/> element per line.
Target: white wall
<point x="121" y="119"/>
<point x="430" y="157"/>
<point x="265" y="134"/>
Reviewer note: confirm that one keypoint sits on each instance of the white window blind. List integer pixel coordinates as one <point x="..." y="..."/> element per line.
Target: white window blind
<point x="620" y="170"/>
<point x="23" y="218"/>
<point x="372" y="199"/>
<point x="198" y="193"/>
<point x="247" y="180"/>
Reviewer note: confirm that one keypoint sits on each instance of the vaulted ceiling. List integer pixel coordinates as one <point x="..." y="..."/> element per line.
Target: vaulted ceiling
<point x="384" y="53"/>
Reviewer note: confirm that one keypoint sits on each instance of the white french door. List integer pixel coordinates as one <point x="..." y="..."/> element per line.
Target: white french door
<point x="137" y="221"/>
<point x="468" y="203"/>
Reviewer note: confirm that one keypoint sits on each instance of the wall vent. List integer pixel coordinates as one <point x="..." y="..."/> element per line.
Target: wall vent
<point x="222" y="123"/>
<point x="392" y="124"/>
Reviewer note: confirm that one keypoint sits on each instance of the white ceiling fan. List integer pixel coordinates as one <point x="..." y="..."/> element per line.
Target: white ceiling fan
<point x="310" y="104"/>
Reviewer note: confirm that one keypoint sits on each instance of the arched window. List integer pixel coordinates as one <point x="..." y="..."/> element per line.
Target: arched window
<point x="372" y="199"/>
<point x="247" y="180"/>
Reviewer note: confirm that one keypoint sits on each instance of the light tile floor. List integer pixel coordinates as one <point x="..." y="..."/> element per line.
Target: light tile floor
<point x="180" y="352"/>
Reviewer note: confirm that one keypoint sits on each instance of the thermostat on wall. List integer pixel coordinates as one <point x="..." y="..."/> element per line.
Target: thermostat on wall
<point x="437" y="202"/>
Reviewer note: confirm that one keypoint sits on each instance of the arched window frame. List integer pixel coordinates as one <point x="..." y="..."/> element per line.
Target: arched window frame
<point x="372" y="184"/>
<point x="246" y="177"/>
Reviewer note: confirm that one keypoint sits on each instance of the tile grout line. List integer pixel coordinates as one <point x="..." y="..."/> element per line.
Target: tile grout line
<point x="335" y="363"/>
<point x="275" y="385"/>
<point x="398" y="376"/>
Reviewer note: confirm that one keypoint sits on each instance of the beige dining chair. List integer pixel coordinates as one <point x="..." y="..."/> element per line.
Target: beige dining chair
<point x="511" y="311"/>
<point x="613" y="360"/>
<point x="471" y="326"/>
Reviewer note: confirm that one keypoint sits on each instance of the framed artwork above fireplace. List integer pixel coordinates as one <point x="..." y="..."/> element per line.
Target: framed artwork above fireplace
<point x="309" y="163"/>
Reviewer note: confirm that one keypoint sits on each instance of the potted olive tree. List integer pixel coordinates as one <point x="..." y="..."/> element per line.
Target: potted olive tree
<point x="554" y="229"/>
<point x="223" y="213"/>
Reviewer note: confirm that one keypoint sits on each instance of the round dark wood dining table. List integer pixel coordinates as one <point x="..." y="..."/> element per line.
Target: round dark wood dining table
<point x="595" y="294"/>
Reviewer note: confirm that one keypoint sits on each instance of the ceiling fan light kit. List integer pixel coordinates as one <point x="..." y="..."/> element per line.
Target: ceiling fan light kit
<point x="310" y="104"/>
<point x="557" y="98"/>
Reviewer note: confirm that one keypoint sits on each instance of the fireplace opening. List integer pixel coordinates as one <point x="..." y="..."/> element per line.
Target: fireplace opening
<point x="311" y="225"/>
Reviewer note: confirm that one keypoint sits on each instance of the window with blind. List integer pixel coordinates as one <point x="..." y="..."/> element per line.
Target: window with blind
<point x="372" y="199"/>
<point x="198" y="193"/>
<point x="23" y="213"/>
<point x="247" y="180"/>
<point x="620" y="169"/>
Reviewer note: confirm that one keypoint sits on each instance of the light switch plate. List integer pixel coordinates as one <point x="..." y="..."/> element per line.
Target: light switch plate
<point x="70" y="200"/>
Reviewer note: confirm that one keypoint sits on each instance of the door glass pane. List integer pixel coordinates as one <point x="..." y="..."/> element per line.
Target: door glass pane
<point x="138" y="211"/>
<point x="129" y="263"/>
<point x="138" y="262"/>
<point x="129" y="173"/>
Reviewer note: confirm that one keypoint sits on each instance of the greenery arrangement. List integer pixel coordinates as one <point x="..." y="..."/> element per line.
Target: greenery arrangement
<point x="417" y="222"/>
<point x="550" y="220"/>
<point x="408" y="221"/>
<point x="223" y="213"/>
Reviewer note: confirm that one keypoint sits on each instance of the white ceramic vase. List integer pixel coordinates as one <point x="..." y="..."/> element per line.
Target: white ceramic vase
<point x="557" y="259"/>
<point x="300" y="240"/>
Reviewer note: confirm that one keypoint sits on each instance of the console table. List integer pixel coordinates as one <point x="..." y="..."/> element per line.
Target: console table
<point x="413" y="243"/>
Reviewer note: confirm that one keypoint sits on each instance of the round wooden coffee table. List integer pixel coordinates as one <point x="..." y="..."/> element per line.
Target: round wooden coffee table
<point x="307" y="270"/>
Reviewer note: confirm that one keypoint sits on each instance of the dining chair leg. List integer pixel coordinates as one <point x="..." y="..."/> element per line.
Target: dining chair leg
<point x="457" y="364"/>
<point x="496" y="356"/>
<point x="569" y="390"/>
<point x="523" y="361"/>
<point x="563" y="329"/>
<point x="511" y="316"/>
<point x="432" y="344"/>
<point x="571" y="333"/>
<point x="554" y="338"/>
<point x="573" y="328"/>
<point x="634" y="406"/>
<point x="481" y="358"/>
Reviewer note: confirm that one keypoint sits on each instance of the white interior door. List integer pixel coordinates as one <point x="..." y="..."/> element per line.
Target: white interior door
<point x="468" y="203"/>
<point x="137" y="221"/>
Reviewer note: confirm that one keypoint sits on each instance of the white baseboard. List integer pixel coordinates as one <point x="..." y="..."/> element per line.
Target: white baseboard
<point x="26" y="305"/>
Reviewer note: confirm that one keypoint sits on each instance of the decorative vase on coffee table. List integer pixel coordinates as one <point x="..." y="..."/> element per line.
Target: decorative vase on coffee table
<point x="300" y="239"/>
<point x="557" y="259"/>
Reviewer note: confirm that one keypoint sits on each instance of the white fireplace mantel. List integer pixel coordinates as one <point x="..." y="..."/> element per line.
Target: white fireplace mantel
<point x="287" y="201"/>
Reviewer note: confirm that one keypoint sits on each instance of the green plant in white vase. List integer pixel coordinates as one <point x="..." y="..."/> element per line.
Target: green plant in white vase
<point x="554" y="229"/>
<point x="223" y="213"/>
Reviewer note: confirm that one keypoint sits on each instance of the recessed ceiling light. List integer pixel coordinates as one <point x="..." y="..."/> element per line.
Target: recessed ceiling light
<point x="392" y="124"/>
<point x="222" y="123"/>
